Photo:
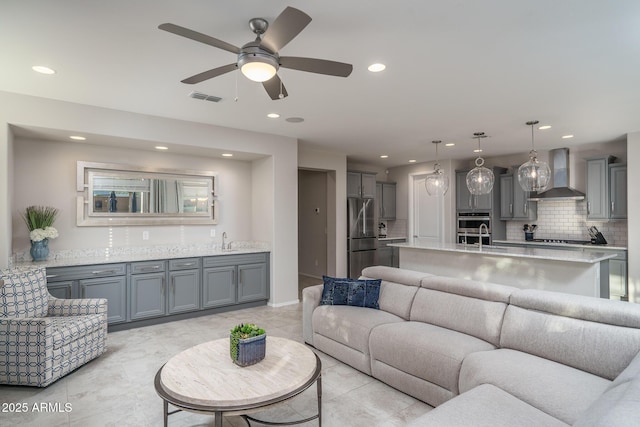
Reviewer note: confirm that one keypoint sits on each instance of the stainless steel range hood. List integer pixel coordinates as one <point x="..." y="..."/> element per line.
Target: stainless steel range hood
<point x="559" y="159"/>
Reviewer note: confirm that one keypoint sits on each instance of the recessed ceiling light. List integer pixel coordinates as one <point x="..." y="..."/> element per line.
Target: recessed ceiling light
<point x="273" y="115"/>
<point x="161" y="147"/>
<point x="384" y="156"/>
<point x="449" y="144"/>
<point x="567" y="136"/>
<point x="478" y="150"/>
<point x="77" y="138"/>
<point x="412" y="161"/>
<point x="43" y="70"/>
<point x="376" y="68"/>
<point x="227" y="155"/>
<point x="544" y="127"/>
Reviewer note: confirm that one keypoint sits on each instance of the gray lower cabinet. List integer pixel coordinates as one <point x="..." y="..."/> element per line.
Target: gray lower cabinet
<point x="232" y="279"/>
<point x="388" y="255"/>
<point x="184" y="285"/>
<point x="92" y="281"/>
<point x="144" y="290"/>
<point x="147" y="290"/>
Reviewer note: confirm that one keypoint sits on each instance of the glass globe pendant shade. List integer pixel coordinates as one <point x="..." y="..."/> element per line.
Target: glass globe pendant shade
<point x="480" y="179"/>
<point x="534" y="175"/>
<point x="437" y="183"/>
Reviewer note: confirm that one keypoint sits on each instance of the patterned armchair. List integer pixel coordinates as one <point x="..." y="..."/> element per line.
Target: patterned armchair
<point x="43" y="338"/>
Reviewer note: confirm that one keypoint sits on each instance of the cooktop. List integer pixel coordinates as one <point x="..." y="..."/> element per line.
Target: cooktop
<point x="566" y="241"/>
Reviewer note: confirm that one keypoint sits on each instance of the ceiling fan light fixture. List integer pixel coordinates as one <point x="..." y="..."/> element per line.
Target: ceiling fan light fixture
<point x="258" y="68"/>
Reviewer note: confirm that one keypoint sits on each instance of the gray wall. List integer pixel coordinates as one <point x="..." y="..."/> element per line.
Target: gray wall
<point x="312" y="222"/>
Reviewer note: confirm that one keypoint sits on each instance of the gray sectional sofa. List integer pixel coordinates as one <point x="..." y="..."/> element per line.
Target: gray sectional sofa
<point x="485" y="354"/>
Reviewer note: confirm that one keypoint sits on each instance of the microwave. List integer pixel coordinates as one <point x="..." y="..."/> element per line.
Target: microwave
<point x="470" y="222"/>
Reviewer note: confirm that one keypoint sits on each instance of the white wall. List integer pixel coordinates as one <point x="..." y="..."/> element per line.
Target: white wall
<point x="279" y="179"/>
<point x="312" y="222"/>
<point x="336" y="166"/>
<point x="37" y="162"/>
<point x="633" y="213"/>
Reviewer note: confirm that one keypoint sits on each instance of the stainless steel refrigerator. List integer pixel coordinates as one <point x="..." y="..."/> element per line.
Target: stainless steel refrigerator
<point x="362" y="241"/>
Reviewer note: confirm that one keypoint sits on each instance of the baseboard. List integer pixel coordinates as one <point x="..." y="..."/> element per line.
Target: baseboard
<point x="282" y="304"/>
<point x="310" y="276"/>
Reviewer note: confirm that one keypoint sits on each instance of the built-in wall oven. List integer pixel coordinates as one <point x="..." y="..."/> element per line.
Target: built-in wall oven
<point x="471" y="229"/>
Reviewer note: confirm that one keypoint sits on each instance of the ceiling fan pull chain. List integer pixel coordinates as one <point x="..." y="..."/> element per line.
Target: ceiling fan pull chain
<point x="281" y="96"/>
<point x="236" y="98"/>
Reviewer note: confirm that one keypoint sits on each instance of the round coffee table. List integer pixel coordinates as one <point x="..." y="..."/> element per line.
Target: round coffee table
<point x="203" y="379"/>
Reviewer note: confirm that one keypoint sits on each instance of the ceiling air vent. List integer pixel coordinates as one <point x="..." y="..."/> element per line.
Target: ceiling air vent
<point x="204" y="97"/>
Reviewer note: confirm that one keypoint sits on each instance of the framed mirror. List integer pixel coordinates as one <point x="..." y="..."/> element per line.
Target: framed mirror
<point x="114" y="194"/>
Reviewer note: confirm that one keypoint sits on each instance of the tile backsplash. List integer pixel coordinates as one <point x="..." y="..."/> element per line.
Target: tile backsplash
<point x="567" y="219"/>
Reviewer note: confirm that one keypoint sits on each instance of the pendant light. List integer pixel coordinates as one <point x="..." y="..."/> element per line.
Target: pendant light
<point x="437" y="183"/>
<point x="533" y="175"/>
<point x="480" y="179"/>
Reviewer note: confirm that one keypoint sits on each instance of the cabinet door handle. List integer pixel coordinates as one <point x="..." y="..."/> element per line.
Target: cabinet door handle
<point x="51" y="276"/>
<point x="612" y="206"/>
<point x="525" y="208"/>
<point x="163" y="286"/>
<point x="511" y="208"/>
<point x="155" y="267"/>
<point x="588" y="208"/>
<point x="103" y="272"/>
<point x="173" y="285"/>
<point x="82" y="289"/>
<point x="186" y="264"/>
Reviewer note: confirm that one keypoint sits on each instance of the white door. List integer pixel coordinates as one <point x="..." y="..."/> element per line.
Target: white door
<point x="427" y="213"/>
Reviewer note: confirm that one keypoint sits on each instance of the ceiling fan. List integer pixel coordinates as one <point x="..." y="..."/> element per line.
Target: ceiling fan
<point x="259" y="60"/>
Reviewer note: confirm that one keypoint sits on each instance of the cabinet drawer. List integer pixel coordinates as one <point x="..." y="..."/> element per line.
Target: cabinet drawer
<point x="221" y="260"/>
<point x="147" y="267"/>
<point x="184" y="264"/>
<point x="58" y="274"/>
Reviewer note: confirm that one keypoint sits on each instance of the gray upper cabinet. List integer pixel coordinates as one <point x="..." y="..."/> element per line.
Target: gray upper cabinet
<point x="465" y="201"/>
<point x="386" y="200"/>
<point x="618" y="191"/>
<point x="597" y="188"/>
<point x="361" y="184"/>
<point x="606" y="189"/>
<point x="514" y="201"/>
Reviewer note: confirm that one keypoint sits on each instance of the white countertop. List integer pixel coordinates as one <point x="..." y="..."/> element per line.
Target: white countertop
<point x="104" y="256"/>
<point x="561" y="245"/>
<point x="588" y="257"/>
<point x="384" y="239"/>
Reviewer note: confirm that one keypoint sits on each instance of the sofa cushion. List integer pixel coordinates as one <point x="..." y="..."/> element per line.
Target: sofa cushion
<point x="398" y="288"/>
<point x="630" y="372"/>
<point x="24" y="293"/>
<point x="357" y="293"/>
<point x="570" y="341"/>
<point x="486" y="406"/>
<point x="350" y="326"/>
<point x="617" y="407"/>
<point x="469" y="315"/>
<point x="559" y="390"/>
<point x="425" y="351"/>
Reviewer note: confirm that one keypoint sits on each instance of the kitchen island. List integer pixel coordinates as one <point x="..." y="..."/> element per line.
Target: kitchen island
<point x="581" y="273"/>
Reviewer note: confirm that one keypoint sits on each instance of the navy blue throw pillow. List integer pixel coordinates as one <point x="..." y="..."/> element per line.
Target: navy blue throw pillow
<point x="353" y="292"/>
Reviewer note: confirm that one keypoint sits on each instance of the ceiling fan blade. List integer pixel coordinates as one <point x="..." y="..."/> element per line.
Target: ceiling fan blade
<point x="313" y="65"/>
<point x="199" y="37"/>
<point x="285" y="27"/>
<point x="274" y="88"/>
<point x="210" y="74"/>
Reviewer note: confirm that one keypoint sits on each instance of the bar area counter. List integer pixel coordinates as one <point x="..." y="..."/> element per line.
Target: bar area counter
<point x="574" y="272"/>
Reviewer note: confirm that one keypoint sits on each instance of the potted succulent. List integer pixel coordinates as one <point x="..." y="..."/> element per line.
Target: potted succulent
<point x="247" y="344"/>
<point x="39" y="220"/>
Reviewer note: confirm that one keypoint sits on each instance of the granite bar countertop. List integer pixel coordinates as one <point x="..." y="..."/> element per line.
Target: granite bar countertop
<point x="588" y="257"/>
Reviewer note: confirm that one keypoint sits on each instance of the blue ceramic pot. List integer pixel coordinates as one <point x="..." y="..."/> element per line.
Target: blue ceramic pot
<point x="39" y="250"/>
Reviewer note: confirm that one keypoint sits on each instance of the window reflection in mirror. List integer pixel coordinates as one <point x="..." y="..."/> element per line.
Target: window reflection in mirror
<point x="128" y="195"/>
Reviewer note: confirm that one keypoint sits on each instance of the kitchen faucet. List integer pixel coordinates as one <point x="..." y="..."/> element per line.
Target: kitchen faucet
<point x="483" y="225"/>
<point x="224" y="236"/>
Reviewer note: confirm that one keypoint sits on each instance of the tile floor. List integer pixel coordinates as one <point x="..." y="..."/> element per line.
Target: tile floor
<point x="117" y="389"/>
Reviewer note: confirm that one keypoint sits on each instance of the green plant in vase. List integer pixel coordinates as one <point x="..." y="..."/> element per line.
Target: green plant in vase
<point x="39" y="220"/>
<point x="247" y="343"/>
